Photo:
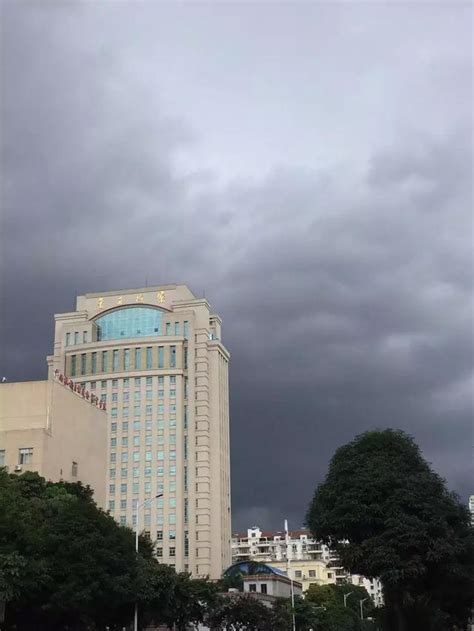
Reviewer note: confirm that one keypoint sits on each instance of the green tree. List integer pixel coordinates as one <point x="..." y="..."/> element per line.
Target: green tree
<point x="390" y="516"/>
<point x="68" y="556"/>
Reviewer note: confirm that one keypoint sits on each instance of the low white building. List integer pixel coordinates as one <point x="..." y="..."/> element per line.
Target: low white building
<point x="303" y="558"/>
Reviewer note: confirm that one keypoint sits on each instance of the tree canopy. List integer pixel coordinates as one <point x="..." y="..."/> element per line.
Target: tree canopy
<point x="390" y="516"/>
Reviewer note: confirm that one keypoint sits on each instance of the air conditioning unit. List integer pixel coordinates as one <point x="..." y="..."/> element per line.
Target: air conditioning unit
<point x="18" y="467"/>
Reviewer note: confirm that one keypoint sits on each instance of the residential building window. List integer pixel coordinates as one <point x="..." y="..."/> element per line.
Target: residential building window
<point x="161" y="380"/>
<point x="125" y="426"/>
<point x="161" y="409"/>
<point x="161" y="394"/>
<point x="124" y="441"/>
<point x="123" y="504"/>
<point x="172" y="552"/>
<point x="126" y="396"/>
<point x="172" y="356"/>
<point x="125" y="412"/>
<point x="159" y="551"/>
<point x="136" y="472"/>
<point x="263" y="588"/>
<point x="147" y="487"/>
<point x="115" y="383"/>
<point x="103" y="384"/>
<point x="84" y="337"/>
<point x="93" y="384"/>
<point x="173" y="470"/>
<point x="113" y="427"/>
<point x="111" y="489"/>
<point x="149" y="357"/>
<point x="114" y="412"/>
<point x="149" y="394"/>
<point x="115" y="360"/>
<point x="173" y="394"/>
<point x="135" y="489"/>
<point x="136" y="456"/>
<point x="160" y="455"/>
<point x="104" y="361"/>
<point x="114" y="397"/>
<point x="172" y="455"/>
<point x="111" y="505"/>
<point x="111" y="473"/>
<point x="159" y="535"/>
<point x="123" y="520"/>
<point x="136" y="425"/>
<point x="94" y="364"/>
<point x="172" y="535"/>
<point x="186" y="329"/>
<point x="160" y="471"/>
<point x="136" y="441"/>
<point x="76" y="337"/>
<point x="123" y="472"/>
<point x="25" y="455"/>
<point x="312" y="573"/>
<point x="147" y="472"/>
<point x="126" y="380"/>
<point x="168" y="328"/>
<point x="73" y="365"/>
<point x="138" y="358"/>
<point x="113" y="442"/>
<point x="161" y="356"/>
<point x="252" y="587"/>
<point x="113" y="457"/>
<point x="147" y="519"/>
<point x="297" y="573"/>
<point x="137" y="395"/>
<point x="68" y="339"/>
<point x="176" y="328"/>
<point x="74" y="469"/>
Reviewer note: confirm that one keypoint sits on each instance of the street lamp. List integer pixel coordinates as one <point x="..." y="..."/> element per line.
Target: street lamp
<point x="346" y="596"/>
<point x="361" y="608"/>
<point x="139" y="506"/>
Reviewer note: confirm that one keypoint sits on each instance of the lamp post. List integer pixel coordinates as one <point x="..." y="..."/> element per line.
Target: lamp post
<point x="361" y="608"/>
<point x="139" y="506"/>
<point x="346" y="596"/>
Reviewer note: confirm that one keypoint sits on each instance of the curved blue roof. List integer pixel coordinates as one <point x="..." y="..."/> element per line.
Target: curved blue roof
<point x="252" y="568"/>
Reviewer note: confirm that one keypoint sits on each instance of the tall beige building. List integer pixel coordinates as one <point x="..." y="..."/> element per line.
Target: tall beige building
<point x="154" y="356"/>
<point x="48" y="427"/>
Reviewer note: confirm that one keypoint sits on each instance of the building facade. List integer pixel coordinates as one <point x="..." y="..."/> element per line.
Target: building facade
<point x="302" y="557"/>
<point x="155" y="358"/>
<point x="46" y="426"/>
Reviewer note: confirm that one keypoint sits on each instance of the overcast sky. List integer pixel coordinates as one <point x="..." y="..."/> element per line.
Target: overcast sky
<point x="306" y="165"/>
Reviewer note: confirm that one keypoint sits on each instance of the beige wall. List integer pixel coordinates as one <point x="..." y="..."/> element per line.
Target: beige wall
<point x="61" y="428"/>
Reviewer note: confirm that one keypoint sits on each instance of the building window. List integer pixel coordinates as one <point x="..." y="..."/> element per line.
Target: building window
<point x="68" y="339"/>
<point x="138" y="381"/>
<point x="124" y="441"/>
<point x="126" y="359"/>
<point x="312" y="573"/>
<point x="252" y="587"/>
<point x="160" y="455"/>
<point x="2" y="457"/>
<point x="149" y="357"/>
<point x="94" y="364"/>
<point x="161" y="380"/>
<point x="159" y="551"/>
<point x="161" y="357"/>
<point x="113" y="427"/>
<point x="84" y="337"/>
<point x="123" y="472"/>
<point x="186" y="510"/>
<point x="172" y="356"/>
<point x="185" y="419"/>
<point x="173" y="394"/>
<point x="176" y="328"/>
<point x="168" y="328"/>
<point x="73" y="365"/>
<point x="115" y="360"/>
<point x="125" y="426"/>
<point x="112" y="489"/>
<point x="111" y="505"/>
<point x="172" y="535"/>
<point x="329" y="574"/>
<point x="186" y="329"/>
<point x="126" y="380"/>
<point x="185" y="478"/>
<point x="104" y="361"/>
<point x="172" y="552"/>
<point x="138" y="358"/>
<point x="123" y="504"/>
<point x="76" y="337"/>
<point x="25" y="455"/>
<point x="298" y="574"/>
<point x="263" y="588"/>
<point x="185" y="357"/>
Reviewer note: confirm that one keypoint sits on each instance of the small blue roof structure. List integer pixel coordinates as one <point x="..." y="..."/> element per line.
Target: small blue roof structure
<point x="252" y="568"/>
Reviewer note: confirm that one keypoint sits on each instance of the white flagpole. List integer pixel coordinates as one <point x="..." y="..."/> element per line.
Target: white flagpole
<point x="287" y="540"/>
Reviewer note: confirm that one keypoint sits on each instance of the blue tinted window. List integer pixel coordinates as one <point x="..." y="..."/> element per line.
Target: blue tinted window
<point x="129" y="322"/>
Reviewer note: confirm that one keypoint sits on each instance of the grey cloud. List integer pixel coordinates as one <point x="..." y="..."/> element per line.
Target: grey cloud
<point x="345" y="289"/>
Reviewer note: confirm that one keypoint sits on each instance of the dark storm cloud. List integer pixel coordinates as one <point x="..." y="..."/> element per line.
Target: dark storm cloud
<point x="345" y="289"/>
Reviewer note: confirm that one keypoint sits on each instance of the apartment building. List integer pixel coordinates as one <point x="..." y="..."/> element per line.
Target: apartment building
<point x="305" y="559"/>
